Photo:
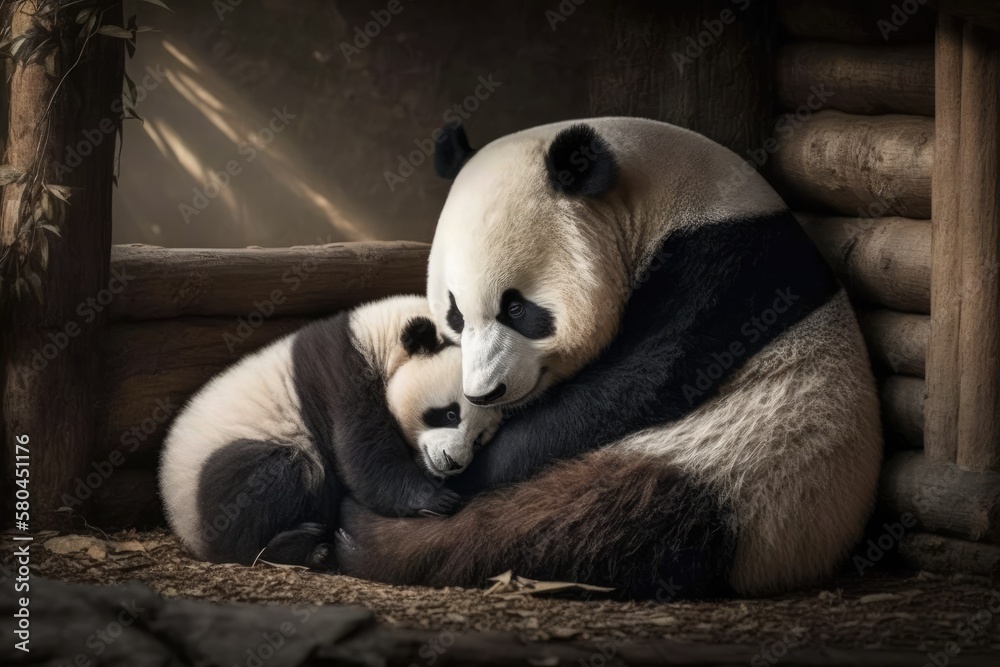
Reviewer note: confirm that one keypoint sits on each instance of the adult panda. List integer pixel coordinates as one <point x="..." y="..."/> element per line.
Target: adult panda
<point x="367" y="402"/>
<point x="692" y="405"/>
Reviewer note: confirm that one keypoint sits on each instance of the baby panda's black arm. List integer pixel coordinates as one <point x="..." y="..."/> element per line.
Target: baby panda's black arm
<point x="377" y="465"/>
<point x="343" y="403"/>
<point x="712" y="297"/>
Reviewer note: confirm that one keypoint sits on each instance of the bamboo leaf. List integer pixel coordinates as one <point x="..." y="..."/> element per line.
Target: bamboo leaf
<point x="130" y="43"/>
<point x="158" y="3"/>
<point x="43" y="250"/>
<point x="130" y="84"/>
<point x="61" y="191"/>
<point x="8" y="174"/>
<point x="36" y="284"/>
<point x="91" y="24"/>
<point x="51" y="228"/>
<point x="115" y="31"/>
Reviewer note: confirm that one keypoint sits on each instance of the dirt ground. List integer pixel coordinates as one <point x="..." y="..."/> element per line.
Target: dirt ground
<point x="918" y="611"/>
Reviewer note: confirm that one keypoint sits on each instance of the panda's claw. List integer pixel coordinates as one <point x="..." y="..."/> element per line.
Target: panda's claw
<point x="348" y="554"/>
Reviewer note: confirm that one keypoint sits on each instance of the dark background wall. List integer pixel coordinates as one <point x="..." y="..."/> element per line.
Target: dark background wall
<point x="223" y="72"/>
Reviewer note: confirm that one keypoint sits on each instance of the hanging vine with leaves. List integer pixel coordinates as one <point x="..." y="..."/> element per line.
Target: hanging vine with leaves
<point x="56" y="40"/>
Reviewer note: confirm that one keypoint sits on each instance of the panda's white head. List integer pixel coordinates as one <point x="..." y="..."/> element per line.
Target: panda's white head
<point x="524" y="273"/>
<point x="422" y="372"/>
<point x="425" y="397"/>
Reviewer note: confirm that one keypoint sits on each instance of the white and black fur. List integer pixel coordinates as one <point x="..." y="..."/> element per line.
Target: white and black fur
<point x="263" y="454"/>
<point x="693" y="409"/>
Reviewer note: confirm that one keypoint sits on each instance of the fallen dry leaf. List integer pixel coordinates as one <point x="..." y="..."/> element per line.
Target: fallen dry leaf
<point x="67" y="544"/>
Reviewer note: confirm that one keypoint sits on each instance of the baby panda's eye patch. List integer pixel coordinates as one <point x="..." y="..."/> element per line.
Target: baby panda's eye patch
<point x="450" y="416"/>
<point x="454" y="316"/>
<point x="525" y="317"/>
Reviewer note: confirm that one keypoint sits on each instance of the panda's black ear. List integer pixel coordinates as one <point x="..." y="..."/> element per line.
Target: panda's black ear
<point x="419" y="337"/>
<point x="581" y="163"/>
<point x="452" y="151"/>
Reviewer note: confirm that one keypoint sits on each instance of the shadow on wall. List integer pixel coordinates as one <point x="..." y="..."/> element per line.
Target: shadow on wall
<point x="277" y="123"/>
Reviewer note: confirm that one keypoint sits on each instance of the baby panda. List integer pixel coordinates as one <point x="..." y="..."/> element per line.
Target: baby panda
<point x="368" y="403"/>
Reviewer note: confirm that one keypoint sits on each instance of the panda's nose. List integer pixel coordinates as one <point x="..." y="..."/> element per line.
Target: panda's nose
<point x="486" y="399"/>
<point x="452" y="463"/>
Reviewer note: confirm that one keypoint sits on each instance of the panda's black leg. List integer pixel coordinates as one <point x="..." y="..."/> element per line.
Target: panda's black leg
<point x="307" y="544"/>
<point x="251" y="491"/>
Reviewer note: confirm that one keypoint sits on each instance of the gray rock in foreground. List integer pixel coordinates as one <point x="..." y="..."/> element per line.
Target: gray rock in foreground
<point x="72" y="624"/>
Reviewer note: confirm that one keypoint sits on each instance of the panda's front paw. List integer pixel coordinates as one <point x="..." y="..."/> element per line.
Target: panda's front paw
<point x="427" y="500"/>
<point x="444" y="502"/>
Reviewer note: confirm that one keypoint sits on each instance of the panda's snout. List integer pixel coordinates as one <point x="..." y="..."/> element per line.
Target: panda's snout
<point x="491" y="397"/>
<point x="451" y="465"/>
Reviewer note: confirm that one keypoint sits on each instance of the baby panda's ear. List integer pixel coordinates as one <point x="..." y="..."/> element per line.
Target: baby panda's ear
<point x="419" y="337"/>
<point x="452" y="151"/>
<point x="580" y="162"/>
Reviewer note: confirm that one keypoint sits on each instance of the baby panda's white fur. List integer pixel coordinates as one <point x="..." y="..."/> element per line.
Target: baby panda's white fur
<point x="692" y="403"/>
<point x="285" y="429"/>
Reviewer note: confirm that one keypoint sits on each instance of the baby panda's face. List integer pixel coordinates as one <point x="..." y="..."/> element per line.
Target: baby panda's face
<point x="425" y="396"/>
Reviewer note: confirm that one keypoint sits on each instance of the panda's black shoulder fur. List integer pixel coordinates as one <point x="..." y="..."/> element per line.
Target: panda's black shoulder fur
<point x="712" y="296"/>
<point x="344" y="406"/>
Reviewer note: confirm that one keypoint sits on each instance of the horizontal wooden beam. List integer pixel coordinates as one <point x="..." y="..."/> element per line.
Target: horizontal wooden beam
<point x="151" y="368"/>
<point x="902" y="401"/>
<point x="301" y="280"/>
<point x="860" y="21"/>
<point x="943" y="498"/>
<point x="857" y="79"/>
<point x="865" y="166"/>
<point x="885" y="261"/>
<point x="896" y="341"/>
<point x="947" y="555"/>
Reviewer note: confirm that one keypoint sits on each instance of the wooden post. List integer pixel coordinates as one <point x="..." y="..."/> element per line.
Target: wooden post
<point x="50" y="347"/>
<point x="979" y="224"/>
<point x="941" y="407"/>
<point x="644" y="65"/>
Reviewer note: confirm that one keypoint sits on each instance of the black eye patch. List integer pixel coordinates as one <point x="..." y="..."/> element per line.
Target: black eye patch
<point x="525" y="317"/>
<point x="454" y="317"/>
<point x="449" y="416"/>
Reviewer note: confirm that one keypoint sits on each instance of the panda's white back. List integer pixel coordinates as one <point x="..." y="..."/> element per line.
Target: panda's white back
<point x="793" y="442"/>
<point x="254" y="400"/>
